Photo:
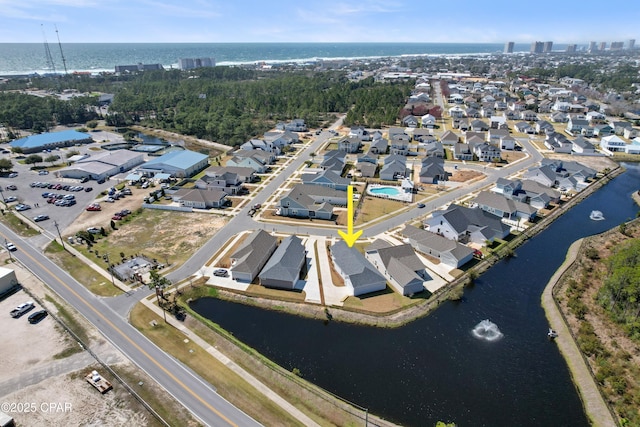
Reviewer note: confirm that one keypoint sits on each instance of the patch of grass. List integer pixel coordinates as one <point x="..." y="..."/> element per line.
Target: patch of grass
<point x="373" y="208"/>
<point x="80" y="271"/>
<point x="69" y="320"/>
<point x="17" y="224"/>
<point x="228" y="384"/>
<point x="69" y="351"/>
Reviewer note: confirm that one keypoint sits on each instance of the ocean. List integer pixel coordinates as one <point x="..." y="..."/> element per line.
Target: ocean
<point x="29" y="58"/>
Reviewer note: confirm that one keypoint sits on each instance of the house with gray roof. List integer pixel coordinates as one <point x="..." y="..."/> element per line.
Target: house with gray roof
<point x="252" y="255"/>
<point x="350" y="144"/>
<point x="395" y="167"/>
<point x="545" y="175"/>
<point x="368" y="157"/>
<point x="462" y="151"/>
<point x="360" y="277"/>
<point x="311" y="201"/>
<point x="448" y="252"/>
<point x="557" y="142"/>
<point x="334" y="161"/>
<point x="367" y="170"/>
<point x="379" y="146"/>
<point x="432" y="170"/>
<point x="295" y="125"/>
<point x="281" y="138"/>
<point x="226" y="178"/>
<point x="449" y="138"/>
<point x="326" y="178"/>
<point x="286" y="265"/>
<point x="399" y="265"/>
<point x="582" y="146"/>
<point x="261" y="144"/>
<point x="502" y="207"/>
<point x="258" y="160"/>
<point x="434" y="149"/>
<point x="486" y="152"/>
<point x="200" y="198"/>
<point x="466" y="225"/>
<point x="527" y="191"/>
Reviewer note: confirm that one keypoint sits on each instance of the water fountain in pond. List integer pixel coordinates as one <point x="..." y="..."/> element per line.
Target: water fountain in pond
<point x="596" y="216"/>
<point x="487" y="330"/>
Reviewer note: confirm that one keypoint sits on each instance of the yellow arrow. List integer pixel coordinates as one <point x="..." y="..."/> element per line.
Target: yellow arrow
<point x="350" y="237"/>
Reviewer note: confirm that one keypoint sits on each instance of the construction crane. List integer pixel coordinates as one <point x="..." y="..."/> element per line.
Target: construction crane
<point x="64" y="62"/>
<point x="47" y="52"/>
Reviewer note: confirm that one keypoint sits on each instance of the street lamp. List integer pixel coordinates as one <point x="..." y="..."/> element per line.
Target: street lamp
<point x="55" y="224"/>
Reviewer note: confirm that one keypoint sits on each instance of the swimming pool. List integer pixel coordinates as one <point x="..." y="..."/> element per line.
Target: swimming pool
<point x="387" y="191"/>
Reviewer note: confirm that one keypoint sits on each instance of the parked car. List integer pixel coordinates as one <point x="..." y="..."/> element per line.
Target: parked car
<point x="94" y="207"/>
<point x="37" y="316"/>
<point x="221" y="272"/>
<point x="116" y="217"/>
<point x="11" y="199"/>
<point x="145" y="185"/>
<point x="22" y="207"/>
<point x="124" y="212"/>
<point x="13" y="174"/>
<point x="478" y="253"/>
<point x="11" y="247"/>
<point x="421" y="205"/>
<point x="43" y="172"/>
<point x="84" y="179"/>
<point x="126" y="191"/>
<point x="87" y="189"/>
<point x="110" y="200"/>
<point x="23" y="308"/>
<point x="93" y="230"/>
<point x="12" y="187"/>
<point x="40" y="218"/>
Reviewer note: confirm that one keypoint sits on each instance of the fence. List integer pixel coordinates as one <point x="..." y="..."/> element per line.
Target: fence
<point x="167" y="207"/>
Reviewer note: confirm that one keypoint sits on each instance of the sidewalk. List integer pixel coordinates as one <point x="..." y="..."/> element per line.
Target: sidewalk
<point x="594" y="405"/>
<point x="262" y="388"/>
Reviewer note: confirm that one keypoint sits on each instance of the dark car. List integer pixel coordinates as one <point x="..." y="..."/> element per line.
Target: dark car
<point x="87" y="189"/>
<point x="421" y="205"/>
<point x="221" y="272"/>
<point x="37" y="316"/>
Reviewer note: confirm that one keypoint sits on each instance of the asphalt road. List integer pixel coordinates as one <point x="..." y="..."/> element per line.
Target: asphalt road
<point x="186" y="386"/>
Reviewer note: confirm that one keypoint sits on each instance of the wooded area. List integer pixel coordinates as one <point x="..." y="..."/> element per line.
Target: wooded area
<point x="224" y="104"/>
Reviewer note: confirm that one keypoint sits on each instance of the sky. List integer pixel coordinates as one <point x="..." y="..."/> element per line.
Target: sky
<point x="227" y="21"/>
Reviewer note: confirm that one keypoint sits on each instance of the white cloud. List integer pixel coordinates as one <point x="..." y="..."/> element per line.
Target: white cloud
<point x="200" y="9"/>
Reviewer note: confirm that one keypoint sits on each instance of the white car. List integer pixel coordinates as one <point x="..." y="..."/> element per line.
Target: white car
<point x="22" y="207"/>
<point x="11" y="247"/>
<point x="93" y="230"/>
<point x="22" y="309"/>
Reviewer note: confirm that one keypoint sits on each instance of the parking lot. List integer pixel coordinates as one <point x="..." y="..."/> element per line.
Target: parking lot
<point x="17" y="187"/>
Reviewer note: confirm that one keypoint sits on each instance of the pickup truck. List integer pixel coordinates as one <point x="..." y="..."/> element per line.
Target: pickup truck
<point x="96" y="380"/>
<point x="22" y="309"/>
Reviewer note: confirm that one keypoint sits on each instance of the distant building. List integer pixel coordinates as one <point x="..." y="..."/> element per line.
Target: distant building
<point x="548" y="47"/>
<point x="138" y="67"/>
<point x="191" y="63"/>
<point x="631" y="43"/>
<point x="179" y="163"/>
<point x="617" y="45"/>
<point x="508" y="47"/>
<point x="537" y="47"/>
<point x="572" y="48"/>
<point x="593" y="46"/>
<point x="603" y="46"/>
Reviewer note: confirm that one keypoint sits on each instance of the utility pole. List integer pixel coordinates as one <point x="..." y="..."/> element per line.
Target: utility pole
<point x="106" y="258"/>
<point x="5" y="245"/>
<point x="55" y="224"/>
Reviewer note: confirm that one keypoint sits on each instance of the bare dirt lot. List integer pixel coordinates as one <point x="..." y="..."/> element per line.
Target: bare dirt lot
<point x="465" y="175"/>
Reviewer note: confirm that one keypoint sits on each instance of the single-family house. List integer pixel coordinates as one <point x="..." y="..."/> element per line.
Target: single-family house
<point x="200" y="198"/>
<point x="281" y="138"/>
<point x="258" y="160"/>
<point x="326" y="178"/>
<point x="528" y="116"/>
<point x="394" y="167"/>
<point x="252" y="255"/>
<point x="334" y="161"/>
<point x="507" y="142"/>
<point x="603" y="130"/>
<point x="360" y="277"/>
<point x="582" y="146"/>
<point x="379" y="146"/>
<point x="449" y="138"/>
<point x="432" y="170"/>
<point x="295" y="125"/>
<point x="226" y="178"/>
<point x="620" y="126"/>
<point x="360" y="132"/>
<point x="349" y="145"/>
<point x="368" y="157"/>
<point x="410" y="121"/>
<point x="502" y="207"/>
<point x="544" y="127"/>
<point x="428" y="121"/>
<point x="558" y="143"/>
<point x="559" y="117"/>
<point x="498" y="122"/>
<point x="261" y="144"/>
<point x="286" y="266"/>
<point x="527" y="191"/>
<point x="462" y="152"/>
<point x="434" y="149"/>
<point x="400" y="266"/>
<point x="466" y="225"/>
<point x="311" y="201"/>
<point x="524" y="127"/>
<point x="448" y="252"/>
<point x="479" y="126"/>
<point x="575" y="126"/>
<point x="367" y="170"/>
<point x="486" y="152"/>
<point x="612" y="144"/>
<point x="399" y="147"/>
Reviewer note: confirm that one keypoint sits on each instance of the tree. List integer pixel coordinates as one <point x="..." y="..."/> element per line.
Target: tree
<point x="52" y="159"/>
<point x="159" y="283"/>
<point x="5" y="164"/>
<point x="33" y="159"/>
<point x="92" y="124"/>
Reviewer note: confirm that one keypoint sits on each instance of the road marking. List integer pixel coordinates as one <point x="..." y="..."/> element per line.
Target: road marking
<point x="155" y="362"/>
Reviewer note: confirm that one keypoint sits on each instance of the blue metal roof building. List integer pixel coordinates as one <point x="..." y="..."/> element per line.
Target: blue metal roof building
<point x="43" y="141"/>
<point x="179" y="163"/>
